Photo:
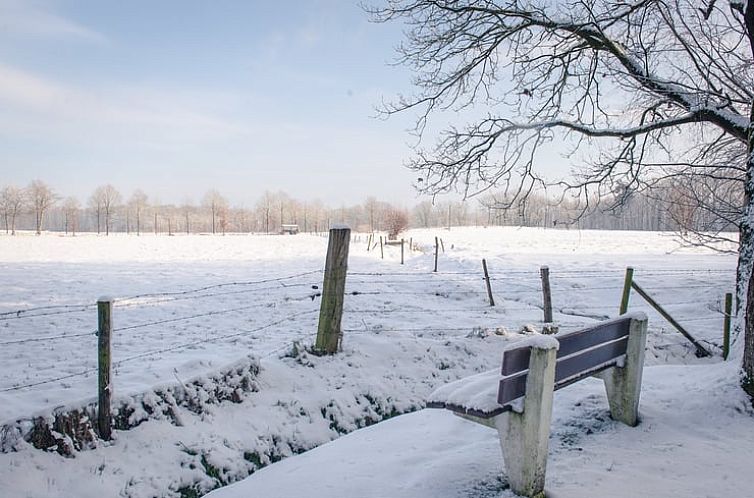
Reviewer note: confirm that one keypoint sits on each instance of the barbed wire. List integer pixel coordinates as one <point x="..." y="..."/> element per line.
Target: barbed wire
<point x="213" y="339"/>
<point x="48" y="338"/>
<point x="49" y="381"/>
<point x="442" y="293"/>
<point x="441" y="329"/>
<point x="49" y="307"/>
<point x="76" y="308"/>
<point x="424" y="310"/>
<point x="507" y="275"/>
<point x="198" y="315"/>
<point x="159" y="351"/>
<point x="20" y="314"/>
<point x="225" y="284"/>
<point x="157" y="302"/>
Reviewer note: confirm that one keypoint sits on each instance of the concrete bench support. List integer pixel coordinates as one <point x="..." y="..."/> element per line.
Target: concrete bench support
<point x="524" y="437"/>
<point x="623" y="385"/>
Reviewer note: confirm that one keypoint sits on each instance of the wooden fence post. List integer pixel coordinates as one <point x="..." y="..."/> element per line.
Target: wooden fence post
<point x="442" y="246"/>
<point x="369" y="241"/>
<point x="333" y="290"/>
<point x="726" y="325"/>
<point x="626" y="290"/>
<point x="401" y="251"/>
<point x="411" y="244"/>
<point x="546" y="296"/>
<point x="487" y="281"/>
<point x="105" y="390"/>
<point x="382" y="249"/>
<point x="437" y="248"/>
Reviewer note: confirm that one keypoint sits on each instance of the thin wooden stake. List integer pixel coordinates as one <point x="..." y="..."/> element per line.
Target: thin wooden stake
<point x="700" y="350"/>
<point x="105" y="391"/>
<point x="382" y="249"/>
<point x="626" y="290"/>
<point x="487" y="281"/>
<point x="411" y="244"/>
<point x="401" y="251"/>
<point x="333" y="289"/>
<point x="369" y="241"/>
<point x="546" y="296"/>
<point x="442" y="246"/>
<point x="726" y="325"/>
<point x="437" y="248"/>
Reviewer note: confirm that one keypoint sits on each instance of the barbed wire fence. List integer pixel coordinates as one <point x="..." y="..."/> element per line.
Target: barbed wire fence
<point x="521" y="285"/>
<point x="436" y="294"/>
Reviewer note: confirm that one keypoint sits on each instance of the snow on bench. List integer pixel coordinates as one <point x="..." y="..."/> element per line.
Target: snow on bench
<point x="517" y="399"/>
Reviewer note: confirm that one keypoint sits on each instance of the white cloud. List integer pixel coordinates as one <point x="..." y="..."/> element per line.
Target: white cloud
<point x="35" y="18"/>
<point x="34" y="104"/>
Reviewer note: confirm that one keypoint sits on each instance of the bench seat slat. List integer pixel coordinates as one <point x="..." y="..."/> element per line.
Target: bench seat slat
<point x="517" y="360"/>
<point x="470" y="411"/>
<point x="475" y="395"/>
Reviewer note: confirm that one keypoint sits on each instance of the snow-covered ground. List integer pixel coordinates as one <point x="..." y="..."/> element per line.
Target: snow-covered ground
<point x="696" y="440"/>
<point x="212" y="301"/>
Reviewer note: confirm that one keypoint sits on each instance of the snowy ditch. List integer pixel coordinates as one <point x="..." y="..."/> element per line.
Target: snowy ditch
<point x="204" y="402"/>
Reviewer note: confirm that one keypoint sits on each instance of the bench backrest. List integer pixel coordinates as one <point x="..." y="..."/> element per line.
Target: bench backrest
<point x="581" y="353"/>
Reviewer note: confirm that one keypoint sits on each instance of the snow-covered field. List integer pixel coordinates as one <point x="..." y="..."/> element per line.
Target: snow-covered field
<point x="190" y="306"/>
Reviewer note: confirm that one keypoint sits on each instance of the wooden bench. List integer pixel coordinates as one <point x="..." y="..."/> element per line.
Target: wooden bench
<point x="517" y="400"/>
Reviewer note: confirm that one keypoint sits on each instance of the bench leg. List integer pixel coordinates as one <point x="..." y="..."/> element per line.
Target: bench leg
<point x="524" y="437"/>
<point x="623" y="385"/>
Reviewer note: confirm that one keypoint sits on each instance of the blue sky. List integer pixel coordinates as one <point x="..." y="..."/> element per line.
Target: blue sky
<point x="177" y="97"/>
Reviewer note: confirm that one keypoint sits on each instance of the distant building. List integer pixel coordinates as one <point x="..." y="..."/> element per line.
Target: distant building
<point x="288" y="229"/>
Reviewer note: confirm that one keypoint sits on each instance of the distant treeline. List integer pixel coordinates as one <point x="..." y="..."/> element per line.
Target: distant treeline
<point x="39" y="207"/>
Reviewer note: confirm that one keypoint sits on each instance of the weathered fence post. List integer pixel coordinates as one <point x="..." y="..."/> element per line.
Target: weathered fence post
<point x="437" y="248"/>
<point x="411" y="244"/>
<point x="726" y="325"/>
<point x="401" y="251"/>
<point x="382" y="249"/>
<point x="442" y="246"/>
<point x="369" y="241"/>
<point x="105" y="390"/>
<point x="546" y="296"/>
<point x="700" y="350"/>
<point x="333" y="289"/>
<point x="626" y="290"/>
<point x="487" y="281"/>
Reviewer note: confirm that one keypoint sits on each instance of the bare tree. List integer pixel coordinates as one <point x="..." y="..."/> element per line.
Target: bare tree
<point x="187" y="209"/>
<point x="371" y="206"/>
<point x="396" y="221"/>
<point x="11" y="204"/>
<point x="216" y="204"/>
<point x="41" y="198"/>
<point x="138" y="202"/>
<point x="105" y="198"/>
<point x="71" y="207"/>
<point x="423" y="213"/>
<point x="656" y="87"/>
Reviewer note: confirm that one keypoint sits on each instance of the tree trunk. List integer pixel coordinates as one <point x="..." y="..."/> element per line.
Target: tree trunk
<point x="745" y="266"/>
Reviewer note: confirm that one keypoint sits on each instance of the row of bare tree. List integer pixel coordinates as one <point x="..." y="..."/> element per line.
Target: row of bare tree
<point x="684" y="207"/>
<point x="38" y="207"/>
